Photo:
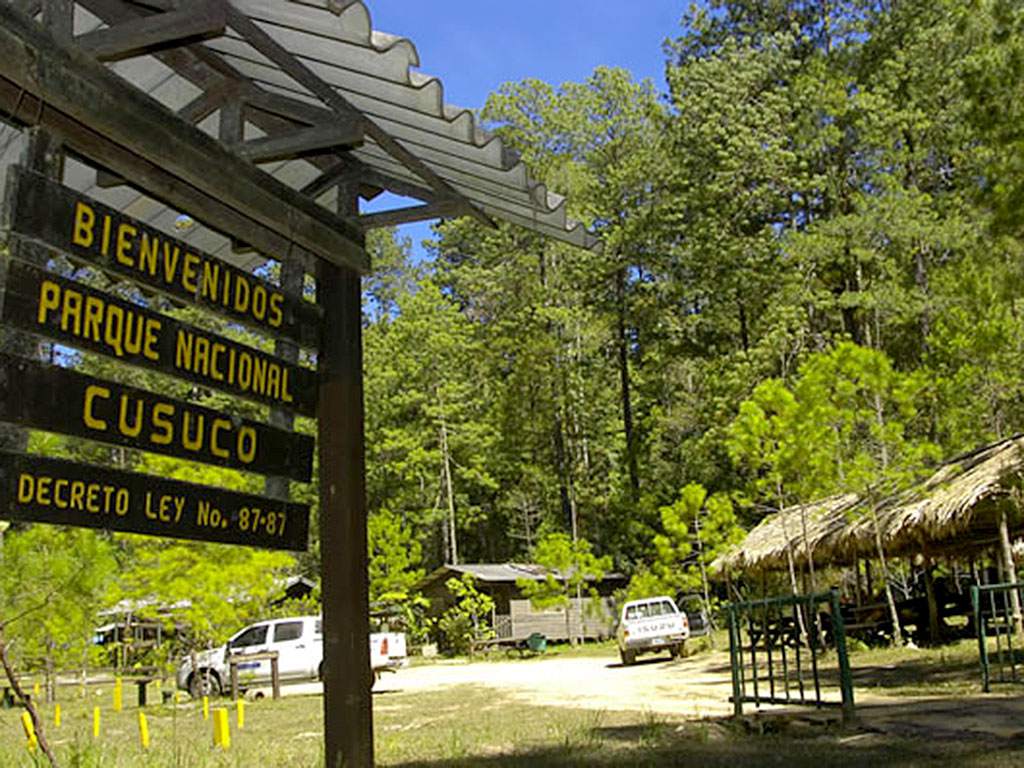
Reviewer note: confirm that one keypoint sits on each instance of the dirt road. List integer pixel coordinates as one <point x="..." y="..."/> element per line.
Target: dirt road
<point x="694" y="687"/>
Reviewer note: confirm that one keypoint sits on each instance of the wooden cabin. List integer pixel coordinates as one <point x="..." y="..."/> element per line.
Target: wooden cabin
<point x="514" y="617"/>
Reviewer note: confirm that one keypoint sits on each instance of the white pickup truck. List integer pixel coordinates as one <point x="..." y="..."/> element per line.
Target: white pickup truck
<point x="299" y="644"/>
<point x="651" y="625"/>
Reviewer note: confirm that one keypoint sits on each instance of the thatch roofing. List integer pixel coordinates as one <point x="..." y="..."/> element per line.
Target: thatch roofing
<point x="954" y="511"/>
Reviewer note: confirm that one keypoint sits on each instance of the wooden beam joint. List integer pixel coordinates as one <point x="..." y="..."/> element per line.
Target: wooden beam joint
<point x="199" y="21"/>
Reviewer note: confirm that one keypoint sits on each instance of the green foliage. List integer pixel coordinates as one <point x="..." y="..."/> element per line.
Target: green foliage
<point x="394" y="557"/>
<point x="571" y="568"/>
<point x="467" y="622"/>
<point x="52" y="587"/>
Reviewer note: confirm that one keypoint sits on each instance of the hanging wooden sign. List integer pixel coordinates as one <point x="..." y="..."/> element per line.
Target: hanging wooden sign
<point x="49" y="212"/>
<point x="75" y="314"/>
<point x="59" y="400"/>
<point x="38" y="489"/>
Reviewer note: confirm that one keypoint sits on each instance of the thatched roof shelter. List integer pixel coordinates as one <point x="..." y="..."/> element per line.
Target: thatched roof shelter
<point x="954" y="511"/>
<point x="766" y="547"/>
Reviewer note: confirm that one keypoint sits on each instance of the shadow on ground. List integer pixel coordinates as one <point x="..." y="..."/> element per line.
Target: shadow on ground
<point x="714" y="745"/>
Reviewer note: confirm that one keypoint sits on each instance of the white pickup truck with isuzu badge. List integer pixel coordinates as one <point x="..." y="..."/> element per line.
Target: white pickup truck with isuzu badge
<point x="651" y="625"/>
<point x="299" y="644"/>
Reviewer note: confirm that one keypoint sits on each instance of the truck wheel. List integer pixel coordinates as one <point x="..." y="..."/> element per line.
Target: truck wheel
<point x="678" y="650"/>
<point x="204" y="683"/>
<point x="628" y="657"/>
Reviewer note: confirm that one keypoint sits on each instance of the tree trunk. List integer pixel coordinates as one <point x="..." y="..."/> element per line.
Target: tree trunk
<point x="453" y="548"/>
<point x="1010" y="569"/>
<point x="934" y="629"/>
<point x="897" y="634"/>
<point x="626" y="386"/>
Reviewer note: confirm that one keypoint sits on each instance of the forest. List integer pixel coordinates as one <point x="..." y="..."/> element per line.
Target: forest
<point x="809" y="283"/>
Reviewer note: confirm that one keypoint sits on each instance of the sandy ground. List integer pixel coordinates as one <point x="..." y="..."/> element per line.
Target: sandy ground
<point x="695" y="687"/>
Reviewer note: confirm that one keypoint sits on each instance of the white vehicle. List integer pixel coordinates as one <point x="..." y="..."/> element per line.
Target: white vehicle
<point x="651" y="625"/>
<point x="299" y="644"/>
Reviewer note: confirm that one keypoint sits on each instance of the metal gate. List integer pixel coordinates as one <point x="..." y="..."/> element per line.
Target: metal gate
<point x="994" y="618"/>
<point x="778" y="648"/>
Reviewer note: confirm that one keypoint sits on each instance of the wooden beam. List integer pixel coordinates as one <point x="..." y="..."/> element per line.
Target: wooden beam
<point x="438" y="210"/>
<point x="88" y="99"/>
<point x="198" y="21"/>
<point x="299" y="72"/>
<point x="333" y="175"/>
<point x="348" y="708"/>
<point x="209" y="101"/>
<point x="285" y="106"/>
<point x="340" y="135"/>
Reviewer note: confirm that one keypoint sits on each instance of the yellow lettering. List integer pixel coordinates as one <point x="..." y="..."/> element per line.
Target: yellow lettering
<point x="149" y="350"/>
<point x="218" y="426"/>
<point x="148" y="253"/>
<point x="273" y="380"/>
<point x="183" y="351"/>
<point x="192" y="442"/>
<point x="241" y="295"/>
<point x="78" y="495"/>
<point x="211" y="276"/>
<point x="71" y="314"/>
<point x="189" y="272"/>
<point x="122" y="423"/>
<point x="43" y="491"/>
<point x="201" y="360"/>
<point x="246" y="445"/>
<point x="93" y="314"/>
<point x="49" y="299"/>
<point x="276" y="311"/>
<point x="114" y="332"/>
<point x="85" y="220"/>
<point x="26" y="488"/>
<point x="286" y="396"/>
<point x="105" y="246"/>
<point x="216" y="350"/>
<point x="125" y="237"/>
<point x="162" y="413"/>
<point x="90" y="498"/>
<point x="170" y="262"/>
<point x="92" y="392"/>
<point x="59" y="499"/>
<point x="259" y="302"/>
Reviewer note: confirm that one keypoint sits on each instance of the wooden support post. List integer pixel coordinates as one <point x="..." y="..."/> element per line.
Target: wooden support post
<point x="348" y="714"/>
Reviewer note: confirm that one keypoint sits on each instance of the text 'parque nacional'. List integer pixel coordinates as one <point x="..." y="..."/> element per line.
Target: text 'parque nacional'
<point x="80" y="316"/>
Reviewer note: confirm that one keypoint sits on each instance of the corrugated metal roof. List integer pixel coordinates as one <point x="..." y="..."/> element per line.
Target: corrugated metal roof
<point x="374" y="72"/>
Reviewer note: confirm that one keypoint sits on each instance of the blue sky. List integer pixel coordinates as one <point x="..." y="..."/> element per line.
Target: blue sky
<point x="474" y="46"/>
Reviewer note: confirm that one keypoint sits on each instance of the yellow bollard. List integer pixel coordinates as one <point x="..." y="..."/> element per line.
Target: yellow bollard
<point x="206" y="707"/>
<point x="143" y="730"/>
<point x="35" y="690"/>
<point x="241" y="713"/>
<point x="56" y="715"/>
<point x="221" y="729"/>
<point x="30" y="731"/>
<point x="177" y="697"/>
<point x="95" y="722"/>
<point x="118" y="694"/>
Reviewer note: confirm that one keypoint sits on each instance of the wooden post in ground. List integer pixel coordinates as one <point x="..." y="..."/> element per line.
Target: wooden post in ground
<point x="348" y="715"/>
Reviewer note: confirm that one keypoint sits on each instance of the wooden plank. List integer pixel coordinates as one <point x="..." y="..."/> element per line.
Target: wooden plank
<point x="82" y="89"/>
<point x="79" y="316"/>
<point x="60" y="400"/>
<point x="44" y="490"/>
<point x="41" y="209"/>
<point x="413" y="213"/>
<point x="199" y="21"/>
<point x="340" y="135"/>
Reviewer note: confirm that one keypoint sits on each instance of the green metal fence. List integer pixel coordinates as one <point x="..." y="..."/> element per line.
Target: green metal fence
<point x="779" y="648"/>
<point x="994" y="619"/>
